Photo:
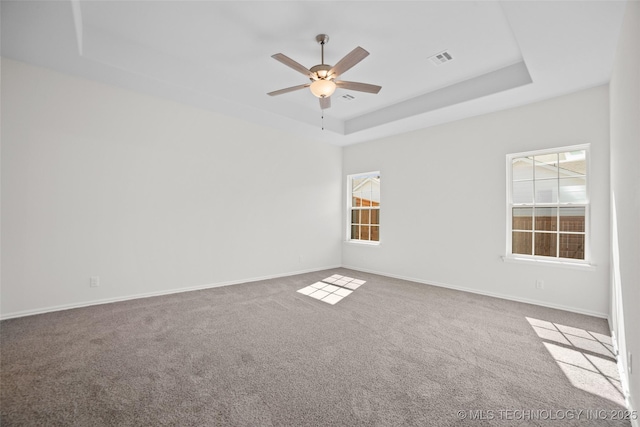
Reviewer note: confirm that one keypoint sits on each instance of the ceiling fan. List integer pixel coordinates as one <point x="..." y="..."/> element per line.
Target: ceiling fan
<point x="323" y="76"/>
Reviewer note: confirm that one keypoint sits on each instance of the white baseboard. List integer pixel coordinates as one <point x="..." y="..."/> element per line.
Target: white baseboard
<point x="636" y="422"/>
<point x="293" y="273"/>
<point x="624" y="378"/>
<point x="480" y="292"/>
<point x="155" y="294"/>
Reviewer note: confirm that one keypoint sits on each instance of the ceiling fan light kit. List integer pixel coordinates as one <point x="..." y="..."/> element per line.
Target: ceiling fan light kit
<point x="323" y="76"/>
<point x="323" y="88"/>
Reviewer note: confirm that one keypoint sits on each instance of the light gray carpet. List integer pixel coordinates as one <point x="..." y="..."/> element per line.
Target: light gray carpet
<point x="259" y="354"/>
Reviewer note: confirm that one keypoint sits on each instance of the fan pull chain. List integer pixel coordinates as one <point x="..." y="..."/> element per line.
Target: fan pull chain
<point x="322" y="119"/>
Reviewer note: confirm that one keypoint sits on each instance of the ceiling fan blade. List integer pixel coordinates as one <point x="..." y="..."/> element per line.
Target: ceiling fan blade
<point x="292" y="64"/>
<point x="352" y="58"/>
<point x="325" y="103"/>
<point x="287" y="90"/>
<point x="360" y="87"/>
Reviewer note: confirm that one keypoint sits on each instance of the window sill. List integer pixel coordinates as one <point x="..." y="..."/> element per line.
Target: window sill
<point x="549" y="263"/>
<point x="362" y="243"/>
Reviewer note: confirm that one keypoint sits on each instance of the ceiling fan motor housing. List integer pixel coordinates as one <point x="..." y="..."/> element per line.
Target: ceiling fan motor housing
<point x="320" y="71"/>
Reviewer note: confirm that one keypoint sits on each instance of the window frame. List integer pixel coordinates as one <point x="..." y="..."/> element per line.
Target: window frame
<point x="350" y="207"/>
<point x="587" y="210"/>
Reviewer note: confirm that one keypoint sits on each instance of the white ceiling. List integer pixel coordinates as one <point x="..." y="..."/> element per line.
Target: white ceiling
<point x="217" y="55"/>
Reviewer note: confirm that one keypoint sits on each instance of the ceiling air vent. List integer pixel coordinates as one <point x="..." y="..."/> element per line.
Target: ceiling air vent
<point x="348" y="97"/>
<point x="441" y="58"/>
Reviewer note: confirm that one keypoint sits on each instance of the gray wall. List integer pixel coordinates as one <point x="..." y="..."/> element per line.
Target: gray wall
<point x="443" y="202"/>
<point x="150" y="195"/>
<point x="625" y="197"/>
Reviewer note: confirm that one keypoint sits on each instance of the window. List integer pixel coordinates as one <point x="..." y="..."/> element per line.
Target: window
<point x="548" y="204"/>
<point x="363" y="207"/>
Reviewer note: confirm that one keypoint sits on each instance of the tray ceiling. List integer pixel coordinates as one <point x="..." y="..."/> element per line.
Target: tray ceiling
<point x="217" y="55"/>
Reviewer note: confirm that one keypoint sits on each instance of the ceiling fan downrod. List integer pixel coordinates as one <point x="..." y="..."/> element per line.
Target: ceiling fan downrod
<point x="322" y="39"/>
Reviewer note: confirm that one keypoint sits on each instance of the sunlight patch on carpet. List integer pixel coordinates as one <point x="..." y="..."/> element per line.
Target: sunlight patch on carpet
<point x="586" y="358"/>
<point x="332" y="289"/>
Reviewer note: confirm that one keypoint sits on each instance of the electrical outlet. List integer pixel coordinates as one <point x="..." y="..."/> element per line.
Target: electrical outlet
<point x="629" y="363"/>
<point x="539" y="284"/>
<point x="94" y="281"/>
